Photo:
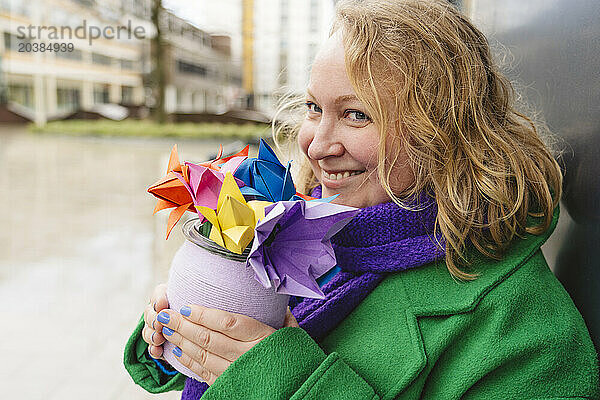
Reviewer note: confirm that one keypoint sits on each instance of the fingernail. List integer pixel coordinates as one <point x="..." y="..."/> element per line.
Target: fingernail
<point x="177" y="351"/>
<point x="152" y="337"/>
<point x="152" y="355"/>
<point x="185" y="311"/>
<point x="167" y="331"/>
<point x="163" y="317"/>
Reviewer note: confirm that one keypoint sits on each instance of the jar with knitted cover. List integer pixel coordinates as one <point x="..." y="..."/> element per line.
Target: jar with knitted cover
<point x="207" y="274"/>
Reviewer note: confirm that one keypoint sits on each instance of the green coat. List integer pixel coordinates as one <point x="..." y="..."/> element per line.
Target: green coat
<point x="513" y="333"/>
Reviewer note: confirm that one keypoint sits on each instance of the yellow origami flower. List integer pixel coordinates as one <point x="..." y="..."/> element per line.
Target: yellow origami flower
<point x="234" y="220"/>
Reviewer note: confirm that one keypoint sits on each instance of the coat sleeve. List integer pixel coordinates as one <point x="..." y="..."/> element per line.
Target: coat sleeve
<point x="152" y="375"/>
<point x="289" y="364"/>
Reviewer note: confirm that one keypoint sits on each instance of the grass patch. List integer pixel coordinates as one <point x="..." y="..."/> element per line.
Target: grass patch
<point x="147" y="128"/>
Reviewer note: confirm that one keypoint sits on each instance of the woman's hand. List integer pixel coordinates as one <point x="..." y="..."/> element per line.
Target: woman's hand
<point x="152" y="332"/>
<point x="208" y="340"/>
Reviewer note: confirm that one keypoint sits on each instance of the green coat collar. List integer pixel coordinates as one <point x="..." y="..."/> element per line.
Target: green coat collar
<point x="420" y="292"/>
<point x="440" y="294"/>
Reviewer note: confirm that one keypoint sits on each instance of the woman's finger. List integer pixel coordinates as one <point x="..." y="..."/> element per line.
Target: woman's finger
<point x="210" y="361"/>
<point x="147" y="334"/>
<point x="212" y="341"/>
<point x="157" y="338"/>
<point x="152" y="337"/>
<point x="156" y="351"/>
<point x="150" y="317"/>
<point x="161" y="302"/>
<point x="206" y="375"/>
<point x="236" y="326"/>
<point x="159" y="292"/>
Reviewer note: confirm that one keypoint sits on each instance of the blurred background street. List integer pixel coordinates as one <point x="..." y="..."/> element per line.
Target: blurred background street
<point x="80" y="252"/>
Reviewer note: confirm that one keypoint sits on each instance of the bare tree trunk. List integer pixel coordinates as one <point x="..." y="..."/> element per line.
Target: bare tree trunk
<point x="159" y="76"/>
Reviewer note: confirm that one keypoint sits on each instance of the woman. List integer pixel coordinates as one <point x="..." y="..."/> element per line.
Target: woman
<point x="442" y="291"/>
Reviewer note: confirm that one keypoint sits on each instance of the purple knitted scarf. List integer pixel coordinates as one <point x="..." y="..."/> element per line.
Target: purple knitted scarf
<point x="379" y="240"/>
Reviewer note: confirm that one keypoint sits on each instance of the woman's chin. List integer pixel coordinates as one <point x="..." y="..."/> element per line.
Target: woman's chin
<point x="356" y="198"/>
<point x="342" y="198"/>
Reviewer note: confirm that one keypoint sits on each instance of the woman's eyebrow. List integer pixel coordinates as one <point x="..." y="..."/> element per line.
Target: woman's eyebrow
<point x="341" y="99"/>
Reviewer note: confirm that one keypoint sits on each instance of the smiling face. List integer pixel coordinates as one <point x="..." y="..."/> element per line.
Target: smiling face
<point x="338" y="136"/>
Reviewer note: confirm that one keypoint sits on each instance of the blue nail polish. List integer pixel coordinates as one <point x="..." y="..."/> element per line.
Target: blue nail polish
<point x="185" y="311"/>
<point x="177" y="351"/>
<point x="167" y="331"/>
<point x="163" y="318"/>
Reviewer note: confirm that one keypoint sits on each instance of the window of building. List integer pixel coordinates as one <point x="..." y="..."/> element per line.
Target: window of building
<point x="190" y="68"/>
<point x="87" y="3"/>
<point x="21" y="94"/>
<point x="284" y="14"/>
<point x="12" y="42"/>
<point x="126" y="64"/>
<point x="127" y="95"/>
<point x="314" y="16"/>
<point x="101" y="94"/>
<point x="76" y="55"/>
<point x="142" y="8"/>
<point x="16" y="7"/>
<point x="67" y="98"/>
<point x="5" y="5"/>
<point x="206" y="40"/>
<point x="178" y="99"/>
<point x="101" y="59"/>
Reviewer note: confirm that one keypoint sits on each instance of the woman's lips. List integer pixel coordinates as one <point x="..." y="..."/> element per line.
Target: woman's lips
<point x="335" y="179"/>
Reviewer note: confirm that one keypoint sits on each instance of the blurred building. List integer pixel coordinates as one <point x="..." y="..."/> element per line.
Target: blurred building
<point x="273" y="42"/>
<point x="48" y="84"/>
<point x="44" y="85"/>
<point x="200" y="72"/>
<point x="281" y="39"/>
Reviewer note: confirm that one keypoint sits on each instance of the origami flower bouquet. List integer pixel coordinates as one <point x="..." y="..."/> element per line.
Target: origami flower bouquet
<point x="256" y="240"/>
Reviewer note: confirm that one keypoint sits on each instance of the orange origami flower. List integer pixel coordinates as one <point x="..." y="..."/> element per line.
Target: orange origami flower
<point x="176" y="190"/>
<point x="171" y="192"/>
<point x="213" y="164"/>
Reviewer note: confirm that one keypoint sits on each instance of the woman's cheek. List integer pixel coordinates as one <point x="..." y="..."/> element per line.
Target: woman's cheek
<point x="305" y="137"/>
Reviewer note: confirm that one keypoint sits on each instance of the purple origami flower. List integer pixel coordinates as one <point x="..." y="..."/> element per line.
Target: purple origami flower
<point x="292" y="245"/>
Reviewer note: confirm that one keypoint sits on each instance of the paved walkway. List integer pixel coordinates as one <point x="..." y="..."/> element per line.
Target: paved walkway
<point x="79" y="255"/>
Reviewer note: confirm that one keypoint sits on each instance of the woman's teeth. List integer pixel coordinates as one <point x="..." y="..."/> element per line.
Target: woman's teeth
<point x="341" y="175"/>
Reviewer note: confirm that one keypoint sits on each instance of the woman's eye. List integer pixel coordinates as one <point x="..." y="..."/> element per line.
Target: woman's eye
<point x="357" y="116"/>
<point x="312" y="107"/>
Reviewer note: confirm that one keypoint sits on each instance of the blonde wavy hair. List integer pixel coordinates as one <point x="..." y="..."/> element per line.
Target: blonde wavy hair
<point x="426" y="77"/>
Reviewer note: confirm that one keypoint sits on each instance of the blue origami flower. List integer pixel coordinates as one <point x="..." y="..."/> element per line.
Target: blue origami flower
<point x="265" y="177"/>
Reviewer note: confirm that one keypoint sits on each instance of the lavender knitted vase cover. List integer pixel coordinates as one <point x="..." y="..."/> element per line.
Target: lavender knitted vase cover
<point x="380" y="239"/>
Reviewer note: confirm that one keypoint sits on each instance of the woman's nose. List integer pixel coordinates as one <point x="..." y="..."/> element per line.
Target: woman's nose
<point x="325" y="142"/>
